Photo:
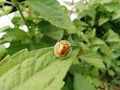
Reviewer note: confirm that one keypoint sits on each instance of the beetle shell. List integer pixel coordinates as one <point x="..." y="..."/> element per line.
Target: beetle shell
<point x="62" y="48"/>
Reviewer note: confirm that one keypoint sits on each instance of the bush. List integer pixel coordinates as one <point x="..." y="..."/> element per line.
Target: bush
<point x="30" y="62"/>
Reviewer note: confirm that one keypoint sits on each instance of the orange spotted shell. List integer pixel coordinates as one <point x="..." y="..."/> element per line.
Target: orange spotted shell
<point x="62" y="48"/>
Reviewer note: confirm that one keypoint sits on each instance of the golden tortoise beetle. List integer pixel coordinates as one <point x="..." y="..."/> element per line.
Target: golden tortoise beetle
<point x="62" y="48"/>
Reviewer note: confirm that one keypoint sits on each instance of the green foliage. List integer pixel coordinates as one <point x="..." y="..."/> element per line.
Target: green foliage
<point x="93" y="58"/>
<point x="94" y="63"/>
<point x="58" y="17"/>
<point x="13" y="35"/>
<point x="35" y="69"/>
<point x="80" y="83"/>
<point x="5" y="9"/>
<point x="50" y="30"/>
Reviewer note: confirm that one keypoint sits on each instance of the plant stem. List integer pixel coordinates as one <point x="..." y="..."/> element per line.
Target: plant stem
<point x="17" y="6"/>
<point x="8" y="2"/>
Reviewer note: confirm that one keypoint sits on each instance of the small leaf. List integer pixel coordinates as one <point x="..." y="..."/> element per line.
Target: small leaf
<point x="111" y="36"/>
<point x="108" y="62"/>
<point x="116" y="15"/>
<point x="7" y="9"/>
<point x="15" y="47"/>
<point x="103" y="20"/>
<point x="81" y="6"/>
<point x="68" y="2"/>
<point x="111" y="72"/>
<point x="17" y="21"/>
<point x="4" y="28"/>
<point x="13" y="34"/>
<point x="95" y="80"/>
<point x="90" y="12"/>
<point x="51" y="31"/>
<point x="112" y="6"/>
<point x="94" y="72"/>
<point x="93" y="58"/>
<point x="68" y="83"/>
<point x="80" y="25"/>
<point x="104" y="1"/>
<point x="81" y="83"/>
<point x="96" y="41"/>
<point x="2" y="51"/>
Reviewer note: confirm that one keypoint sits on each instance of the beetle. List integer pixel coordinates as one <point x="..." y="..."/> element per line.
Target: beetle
<point x="62" y="48"/>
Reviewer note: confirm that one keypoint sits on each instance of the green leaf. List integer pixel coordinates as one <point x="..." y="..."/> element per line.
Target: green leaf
<point x="112" y="6"/>
<point x="51" y="11"/>
<point x="94" y="72"/>
<point x="116" y="15"/>
<point x="7" y="9"/>
<point x="13" y="34"/>
<point x="15" y="47"/>
<point x="83" y="68"/>
<point x="96" y="41"/>
<point x="95" y="80"/>
<point x="4" y="28"/>
<point x="35" y="70"/>
<point x="17" y="21"/>
<point x="2" y="51"/>
<point x="111" y="72"/>
<point x="93" y="58"/>
<point x="108" y="62"/>
<point x="81" y="6"/>
<point x="91" y="33"/>
<point x="68" y="83"/>
<point x="51" y="31"/>
<point x="111" y="36"/>
<point x="90" y="12"/>
<point x="103" y="20"/>
<point x="105" y="1"/>
<point x="81" y="83"/>
<point x="80" y="25"/>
